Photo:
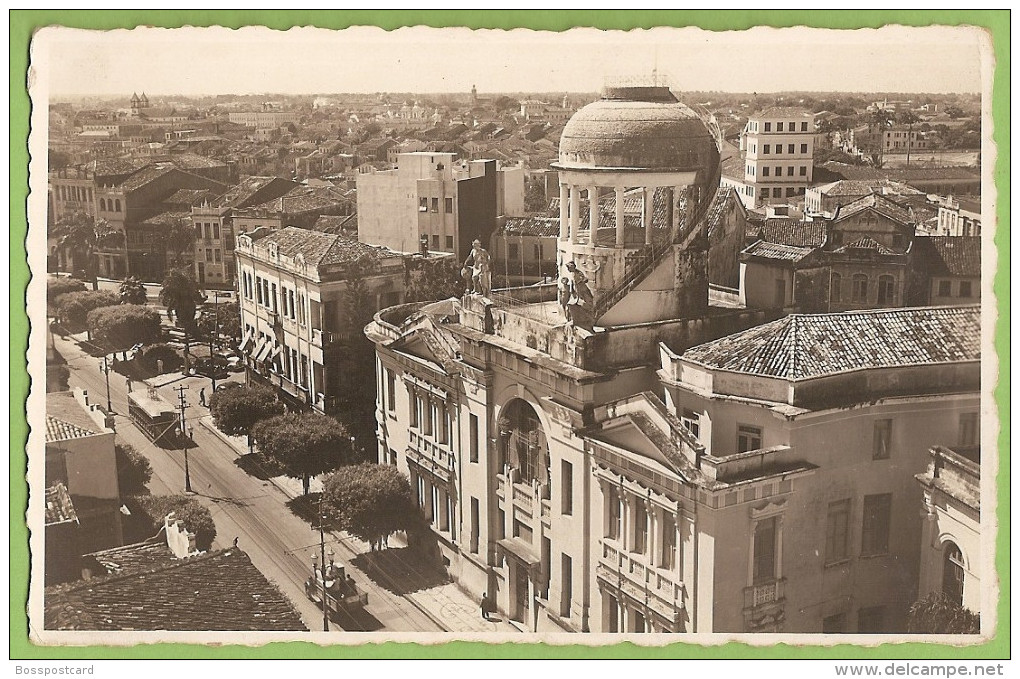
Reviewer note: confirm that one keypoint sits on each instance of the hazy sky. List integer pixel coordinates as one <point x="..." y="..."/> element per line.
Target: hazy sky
<point x="252" y="60"/>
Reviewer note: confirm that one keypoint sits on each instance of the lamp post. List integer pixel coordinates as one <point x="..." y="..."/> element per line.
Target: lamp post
<point x="104" y="367"/>
<point x="316" y="573"/>
<point x="214" y="337"/>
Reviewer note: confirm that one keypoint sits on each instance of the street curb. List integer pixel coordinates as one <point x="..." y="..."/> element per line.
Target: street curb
<point x="212" y="428"/>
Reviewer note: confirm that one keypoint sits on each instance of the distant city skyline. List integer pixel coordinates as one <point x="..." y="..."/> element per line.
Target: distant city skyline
<point x="209" y="61"/>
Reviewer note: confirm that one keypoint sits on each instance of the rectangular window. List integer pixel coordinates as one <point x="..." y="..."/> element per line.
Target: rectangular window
<point x="777" y="192"/>
<point x="691" y="422"/>
<point x="473" y="437"/>
<point x="523" y="531"/>
<point x="837" y="532"/>
<point x="435" y="242"/>
<point x="566" y="585"/>
<point x="764" y="561"/>
<point x="765" y="171"/>
<point x="391" y="390"/>
<point x="748" y="438"/>
<point x="803" y="126"/>
<point x="779" y="149"/>
<point x="789" y="171"/>
<point x="875" y="524"/>
<point x="501" y="523"/>
<point x="640" y="528"/>
<point x="882" y="439"/>
<point x="768" y="127"/>
<point x="779" y="127"/>
<point x="791" y="148"/>
<point x="969" y="429"/>
<point x="965" y="289"/>
<point x="208" y="255"/>
<point x="423" y="205"/>
<point x="208" y="232"/>
<point x="834" y="624"/>
<point x="871" y="620"/>
<point x="766" y="148"/>
<point x="435" y="205"/>
<point x="803" y="171"/>
<point x="216" y="231"/>
<point x="803" y="147"/>
<point x="567" y="485"/>
<point x="945" y="288"/>
<point x="449" y="242"/>
<point x="475" y="529"/>
<point x="615" y="527"/>
<point x="668" y="556"/>
<point x="273" y="298"/>
<point x="449" y="205"/>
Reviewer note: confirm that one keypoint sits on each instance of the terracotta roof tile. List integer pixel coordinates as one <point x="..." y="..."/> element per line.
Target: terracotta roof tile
<point x="219" y="590"/>
<point x="866" y="243"/>
<point x="950" y="255"/>
<point x="532" y="226"/>
<point x="776" y="251"/>
<point x="59" y="508"/>
<point x="880" y="204"/>
<point x="804" y="346"/>
<point x="58" y="430"/>
<point x="322" y="249"/>
<point x="792" y="232"/>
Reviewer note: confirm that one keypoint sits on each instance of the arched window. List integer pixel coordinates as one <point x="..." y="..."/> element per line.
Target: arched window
<point x="836" y="288"/>
<point x="102" y="204"/>
<point x="952" y="573"/>
<point x="886" y="290"/>
<point x="117" y="202"/>
<point x="859" y="291"/>
<point x="526" y="446"/>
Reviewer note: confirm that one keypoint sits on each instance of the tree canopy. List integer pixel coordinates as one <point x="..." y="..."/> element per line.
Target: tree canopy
<point x="226" y="317"/>
<point x="938" y="614"/>
<point x="303" y="444"/>
<point x="118" y="328"/>
<point x="193" y="514"/>
<point x="236" y="411"/>
<point x="369" y="501"/>
<point x="81" y="234"/>
<point x="181" y="295"/>
<point x="55" y="287"/>
<point x="73" y="307"/>
<point x="428" y="279"/>
<point x="132" y="291"/>
<point x="174" y="239"/>
<point x="133" y="469"/>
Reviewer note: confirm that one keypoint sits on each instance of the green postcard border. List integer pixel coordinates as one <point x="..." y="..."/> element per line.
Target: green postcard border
<point x="24" y="22"/>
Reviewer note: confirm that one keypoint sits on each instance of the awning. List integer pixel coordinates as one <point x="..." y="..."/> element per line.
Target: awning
<point x="277" y="350"/>
<point x="520" y="549"/>
<point x="257" y="349"/>
<point x="248" y="337"/>
<point x="263" y="353"/>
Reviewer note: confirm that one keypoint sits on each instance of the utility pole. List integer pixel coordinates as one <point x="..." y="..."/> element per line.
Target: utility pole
<point x="316" y="573"/>
<point x="214" y="337"/>
<point x="105" y="367"/>
<point x="183" y="432"/>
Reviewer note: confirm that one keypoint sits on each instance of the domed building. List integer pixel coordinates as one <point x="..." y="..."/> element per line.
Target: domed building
<point x="637" y="142"/>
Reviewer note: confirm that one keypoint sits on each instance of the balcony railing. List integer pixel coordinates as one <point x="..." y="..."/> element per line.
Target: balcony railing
<point x="765" y="593"/>
<point x="661" y="590"/>
<point x="437" y="453"/>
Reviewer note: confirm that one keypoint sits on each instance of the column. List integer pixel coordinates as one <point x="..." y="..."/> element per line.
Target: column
<point x="619" y="216"/>
<point x="575" y="209"/>
<point x="654" y="558"/>
<point x="646" y="212"/>
<point x="564" y="210"/>
<point x="593" y="213"/>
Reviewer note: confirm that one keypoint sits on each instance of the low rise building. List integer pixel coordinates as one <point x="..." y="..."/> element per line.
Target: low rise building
<point x="959" y="217"/>
<point x="292" y="284"/>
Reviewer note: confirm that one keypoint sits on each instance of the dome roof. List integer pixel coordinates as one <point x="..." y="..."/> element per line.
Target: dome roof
<point x="637" y="128"/>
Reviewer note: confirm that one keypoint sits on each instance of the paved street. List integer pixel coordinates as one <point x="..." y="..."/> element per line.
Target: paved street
<point x="279" y="543"/>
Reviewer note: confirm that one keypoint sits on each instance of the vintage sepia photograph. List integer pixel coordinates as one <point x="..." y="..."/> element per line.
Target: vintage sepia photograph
<point x="579" y="337"/>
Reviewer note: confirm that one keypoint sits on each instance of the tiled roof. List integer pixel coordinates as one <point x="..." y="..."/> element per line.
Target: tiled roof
<point x="532" y="226"/>
<point x="862" y="187"/>
<point x="59" y="508"/>
<point x="717" y="209"/>
<point x="220" y="590"/>
<point x="191" y="161"/>
<point x="337" y="224"/>
<point x="168" y="218"/>
<point x="776" y="251"/>
<point x="322" y="249"/>
<point x="145" y="176"/>
<point x="187" y="196"/>
<point x="113" y="166"/>
<point x="306" y="199"/>
<point x="880" y="204"/>
<point x="804" y="346"/>
<point x="58" y="430"/>
<point x="243" y="191"/>
<point x="792" y="232"/>
<point x="866" y="243"/>
<point x="949" y="255"/>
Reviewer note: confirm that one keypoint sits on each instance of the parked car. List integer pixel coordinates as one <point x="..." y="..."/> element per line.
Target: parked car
<point x="231" y="361"/>
<point x="229" y="385"/>
<point x="209" y="367"/>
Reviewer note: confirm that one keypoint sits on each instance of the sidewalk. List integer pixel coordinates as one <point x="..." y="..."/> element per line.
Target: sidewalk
<point x="446" y="604"/>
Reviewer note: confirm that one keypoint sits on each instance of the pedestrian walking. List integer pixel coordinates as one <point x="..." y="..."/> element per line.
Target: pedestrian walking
<point x="201" y="396"/>
<point x="485" y="606"/>
<point x="129" y="385"/>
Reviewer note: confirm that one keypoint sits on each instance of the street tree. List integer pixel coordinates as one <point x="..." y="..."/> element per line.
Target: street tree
<point x="181" y="296"/>
<point x="938" y="614"/>
<point x="57" y="286"/>
<point x="223" y="318"/>
<point x="81" y="234"/>
<point x="369" y="501"/>
<point x="303" y="444"/>
<point x="73" y="307"/>
<point x="175" y="237"/>
<point x="908" y="118"/>
<point x="133" y="469"/>
<point x="120" y="327"/>
<point x="132" y="291"/>
<point x="236" y="411"/>
<point x="195" y="516"/>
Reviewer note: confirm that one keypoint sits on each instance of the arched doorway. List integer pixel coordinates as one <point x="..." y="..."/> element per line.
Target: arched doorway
<point x="524" y="446"/>
<point x="952" y="572"/>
